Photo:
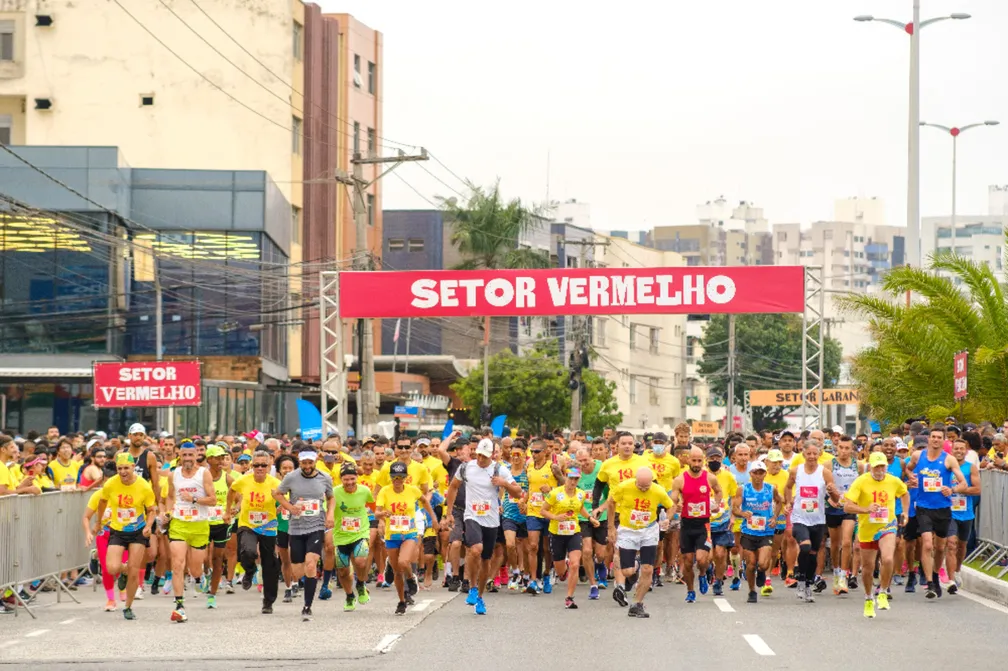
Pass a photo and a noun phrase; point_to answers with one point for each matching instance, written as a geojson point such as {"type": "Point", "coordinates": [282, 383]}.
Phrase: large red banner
{"type": "Point", "coordinates": [148, 384]}
{"type": "Point", "coordinates": [567, 291]}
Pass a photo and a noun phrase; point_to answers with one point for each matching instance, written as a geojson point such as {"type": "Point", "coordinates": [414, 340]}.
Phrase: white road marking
{"type": "Point", "coordinates": [70, 621]}
{"type": "Point", "coordinates": [7, 644]}
{"type": "Point", "coordinates": [423, 605]}
{"type": "Point", "coordinates": [983, 601]}
{"type": "Point", "coordinates": [37, 632]}
{"type": "Point", "coordinates": [386, 643]}
{"type": "Point", "coordinates": [723, 605]}
{"type": "Point", "coordinates": [758, 644]}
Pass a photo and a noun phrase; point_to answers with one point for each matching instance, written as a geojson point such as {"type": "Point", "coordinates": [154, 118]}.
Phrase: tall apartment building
{"type": "Point", "coordinates": [978, 237]}
{"type": "Point", "coordinates": [726, 235]}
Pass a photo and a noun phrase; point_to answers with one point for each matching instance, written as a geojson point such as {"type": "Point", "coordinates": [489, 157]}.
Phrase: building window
{"type": "Point", "coordinates": [356, 71]}
{"type": "Point", "coordinates": [356, 137]}
{"type": "Point", "coordinates": [653, 392]}
{"type": "Point", "coordinates": [633, 337]}
{"type": "Point", "coordinates": [633, 389]}
{"type": "Point", "coordinates": [654, 340]}
{"type": "Point", "coordinates": [296, 135]}
{"type": "Point", "coordinates": [147, 100]}
{"type": "Point", "coordinates": [6, 128]}
{"type": "Point", "coordinates": [600, 332]}
{"type": "Point", "coordinates": [6, 40]}
{"type": "Point", "coordinates": [296, 224]}
{"type": "Point", "coordinates": [396, 244]}
{"type": "Point", "coordinates": [372, 141]}
{"type": "Point", "coordinates": [298, 44]}
{"type": "Point", "coordinates": [372, 78]}
{"type": "Point", "coordinates": [370, 210]}
{"type": "Point", "coordinates": [415, 245]}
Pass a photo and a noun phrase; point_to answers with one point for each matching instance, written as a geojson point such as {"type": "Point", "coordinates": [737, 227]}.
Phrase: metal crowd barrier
{"type": "Point", "coordinates": [992, 520]}
{"type": "Point", "coordinates": [41, 537]}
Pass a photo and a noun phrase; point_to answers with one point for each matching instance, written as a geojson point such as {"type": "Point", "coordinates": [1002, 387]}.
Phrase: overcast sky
{"type": "Point", "coordinates": [647, 109]}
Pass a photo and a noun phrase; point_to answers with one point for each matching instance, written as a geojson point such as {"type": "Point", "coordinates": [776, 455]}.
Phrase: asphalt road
{"type": "Point", "coordinates": [442, 632]}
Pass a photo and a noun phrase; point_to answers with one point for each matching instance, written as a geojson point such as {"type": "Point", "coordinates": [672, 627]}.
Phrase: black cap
{"type": "Point", "coordinates": [785, 432]}
{"type": "Point", "coordinates": [398, 470]}
{"type": "Point", "coordinates": [348, 469]}
{"type": "Point", "coordinates": [648, 437]}
{"type": "Point", "coordinates": [659, 437]}
{"type": "Point", "coordinates": [714, 453]}
{"type": "Point", "coordinates": [920, 441]}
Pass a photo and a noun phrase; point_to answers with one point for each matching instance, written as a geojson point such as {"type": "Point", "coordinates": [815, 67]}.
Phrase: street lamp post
{"type": "Point", "coordinates": [955, 132]}
{"type": "Point", "coordinates": [913, 144]}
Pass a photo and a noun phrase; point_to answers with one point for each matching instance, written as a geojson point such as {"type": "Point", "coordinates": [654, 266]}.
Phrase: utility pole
{"type": "Point", "coordinates": [367, 401]}
{"type": "Point", "coordinates": [577, 361]}
{"type": "Point", "coordinates": [730, 422]}
{"type": "Point", "coordinates": [159, 336]}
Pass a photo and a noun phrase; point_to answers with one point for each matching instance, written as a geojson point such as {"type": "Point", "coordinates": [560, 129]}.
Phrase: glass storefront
{"type": "Point", "coordinates": [226, 409]}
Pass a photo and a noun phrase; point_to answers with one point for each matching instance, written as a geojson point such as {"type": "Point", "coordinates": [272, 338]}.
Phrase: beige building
{"type": "Point", "coordinates": [726, 235]}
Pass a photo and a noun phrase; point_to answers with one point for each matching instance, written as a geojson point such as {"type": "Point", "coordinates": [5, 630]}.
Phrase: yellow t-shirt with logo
{"type": "Point", "coordinates": [128, 503]}
{"type": "Point", "coordinates": [666, 468]}
{"type": "Point", "coordinates": [637, 509]}
{"type": "Point", "coordinates": [729, 487]}
{"type": "Point", "coordinates": [866, 490]}
{"type": "Point", "coordinates": [64, 477]}
{"type": "Point", "coordinates": [417, 475]}
{"type": "Point", "coordinates": [779, 482]}
{"type": "Point", "coordinates": [439, 474]}
{"type": "Point", "coordinates": [561, 502]}
{"type": "Point", "coordinates": [402, 507]}
{"type": "Point", "coordinates": [615, 470]}
{"type": "Point", "coordinates": [258, 508]}
{"type": "Point", "coordinates": [537, 477]}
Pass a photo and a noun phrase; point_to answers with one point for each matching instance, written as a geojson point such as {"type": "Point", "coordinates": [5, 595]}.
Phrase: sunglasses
{"type": "Point", "coordinates": [536, 451]}
{"type": "Point", "coordinates": [260, 465]}
{"type": "Point", "coordinates": [334, 453]}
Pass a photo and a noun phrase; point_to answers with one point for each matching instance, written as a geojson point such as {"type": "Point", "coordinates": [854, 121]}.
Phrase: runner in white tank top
{"type": "Point", "coordinates": [807, 490]}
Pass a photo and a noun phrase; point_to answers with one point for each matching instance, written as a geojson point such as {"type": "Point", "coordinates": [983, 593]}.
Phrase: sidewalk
{"type": "Point", "coordinates": [984, 585]}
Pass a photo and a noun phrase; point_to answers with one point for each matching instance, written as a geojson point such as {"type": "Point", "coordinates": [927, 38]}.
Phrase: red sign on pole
{"type": "Point", "coordinates": [148, 384]}
{"type": "Point", "coordinates": [737, 423]}
{"type": "Point", "coordinates": [959, 374]}
{"type": "Point", "coordinates": [570, 291]}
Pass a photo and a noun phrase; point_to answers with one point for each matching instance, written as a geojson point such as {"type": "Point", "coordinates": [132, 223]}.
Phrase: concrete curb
{"type": "Point", "coordinates": [984, 585]}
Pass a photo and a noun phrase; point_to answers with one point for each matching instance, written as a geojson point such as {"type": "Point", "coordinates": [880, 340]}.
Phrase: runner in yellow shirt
{"type": "Point", "coordinates": [666, 469]}
{"type": "Point", "coordinates": [257, 526]}
{"type": "Point", "coordinates": [562, 507]}
{"type": "Point", "coordinates": [543, 476]}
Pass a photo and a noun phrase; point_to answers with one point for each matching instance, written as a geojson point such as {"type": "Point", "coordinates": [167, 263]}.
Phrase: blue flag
{"type": "Point", "coordinates": [449, 427]}
{"type": "Point", "coordinates": [310, 420]}
{"type": "Point", "coordinates": [497, 425]}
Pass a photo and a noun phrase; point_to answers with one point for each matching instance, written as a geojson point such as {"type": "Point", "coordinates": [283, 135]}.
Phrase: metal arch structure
{"type": "Point", "coordinates": [332, 370]}
{"type": "Point", "coordinates": [813, 347]}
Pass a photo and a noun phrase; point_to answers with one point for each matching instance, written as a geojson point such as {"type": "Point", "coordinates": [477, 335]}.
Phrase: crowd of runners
{"type": "Point", "coordinates": [529, 514]}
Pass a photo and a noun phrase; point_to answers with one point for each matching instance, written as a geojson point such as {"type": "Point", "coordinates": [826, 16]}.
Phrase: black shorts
{"type": "Point", "coordinates": [124, 539]}
{"type": "Point", "coordinates": [648, 556]}
{"type": "Point", "coordinates": [283, 540]}
{"type": "Point", "coordinates": [754, 543]}
{"type": "Point", "coordinates": [477, 534]}
{"type": "Point", "coordinates": [961, 529]}
{"type": "Point", "coordinates": [220, 534]}
{"type": "Point", "coordinates": [911, 531]}
{"type": "Point", "coordinates": [812, 533]}
{"type": "Point", "coordinates": [430, 545]}
{"type": "Point", "coordinates": [934, 520]}
{"type": "Point", "coordinates": [693, 536]}
{"type": "Point", "coordinates": [521, 531]}
{"type": "Point", "coordinates": [833, 521]}
{"type": "Point", "coordinates": [599, 535]}
{"type": "Point", "coordinates": [234, 527]}
{"type": "Point", "coordinates": [302, 545]}
{"type": "Point", "coordinates": [564, 545]}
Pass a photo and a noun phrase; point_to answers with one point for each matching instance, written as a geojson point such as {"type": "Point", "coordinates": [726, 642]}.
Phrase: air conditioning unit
{"type": "Point", "coordinates": [44, 104]}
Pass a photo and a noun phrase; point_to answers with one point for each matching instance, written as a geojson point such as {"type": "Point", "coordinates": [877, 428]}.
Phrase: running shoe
{"type": "Point", "coordinates": [472, 597]}
{"type": "Point", "coordinates": [767, 589]}
{"type": "Point", "coordinates": [247, 580]}
{"type": "Point", "coordinates": [267, 609]}
{"type": "Point", "coordinates": [637, 610]}
{"type": "Point", "coordinates": [869, 608]}
{"type": "Point", "coordinates": [128, 614]}
{"type": "Point", "coordinates": [306, 614]}
{"type": "Point", "coordinates": [110, 606]}
{"type": "Point", "coordinates": [480, 606]}
{"type": "Point", "coordinates": [952, 588]}
{"type": "Point", "coordinates": [411, 586]}
{"type": "Point", "coordinates": [808, 594]}
{"type": "Point", "coordinates": [752, 597]}
{"type": "Point", "coordinates": [730, 571]}
{"type": "Point", "coordinates": [800, 592]}
{"type": "Point", "coordinates": [325, 594]}
{"type": "Point", "coordinates": [911, 583]}
{"type": "Point", "coordinates": [775, 571]}
{"type": "Point", "coordinates": [228, 587]}
{"type": "Point", "coordinates": [819, 585]}
{"type": "Point", "coordinates": [703, 583]}
{"type": "Point", "coordinates": [943, 575]}
{"type": "Point", "coordinates": [363, 596]}
{"type": "Point", "coordinates": [401, 608]}
{"type": "Point", "coordinates": [533, 588]}
{"type": "Point", "coordinates": [937, 586]}
{"type": "Point", "coordinates": [691, 597]}
{"type": "Point", "coordinates": [178, 615]}
{"type": "Point", "coordinates": [121, 582]}
{"type": "Point", "coordinates": [619, 596]}
{"type": "Point", "coordinates": [211, 601]}
{"type": "Point", "coordinates": [288, 597]}
{"type": "Point", "coordinates": [790, 581]}
{"type": "Point", "coordinates": [409, 600]}
{"type": "Point", "coordinates": [736, 583]}
{"type": "Point", "coordinates": [897, 579]}
{"type": "Point", "coordinates": [718, 588]}
{"type": "Point", "coordinates": [836, 583]}
{"type": "Point", "coordinates": [883, 601]}
{"type": "Point", "coordinates": [569, 603]}
{"type": "Point", "coordinates": [512, 584]}
{"type": "Point", "coordinates": [351, 603]}
{"type": "Point", "coordinates": [547, 585]}
{"type": "Point", "coordinates": [842, 587]}
{"type": "Point", "coordinates": [593, 593]}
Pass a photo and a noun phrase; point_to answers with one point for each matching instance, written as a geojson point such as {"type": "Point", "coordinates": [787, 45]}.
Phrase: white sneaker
{"type": "Point", "coordinates": [808, 594]}
{"type": "Point", "coordinates": [139, 594]}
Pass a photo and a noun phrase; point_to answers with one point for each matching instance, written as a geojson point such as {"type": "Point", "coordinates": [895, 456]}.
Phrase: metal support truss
{"type": "Point", "coordinates": [332, 368]}
{"type": "Point", "coordinates": [813, 347]}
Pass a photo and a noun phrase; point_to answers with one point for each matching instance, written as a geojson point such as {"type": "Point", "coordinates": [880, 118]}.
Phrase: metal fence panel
{"type": "Point", "coordinates": [992, 516]}
{"type": "Point", "coordinates": [42, 536]}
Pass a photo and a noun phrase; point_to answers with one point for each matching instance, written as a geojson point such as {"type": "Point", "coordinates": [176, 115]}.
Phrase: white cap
{"type": "Point", "coordinates": [307, 454]}
{"type": "Point", "coordinates": [757, 465]}
{"type": "Point", "coordinates": [101, 434]}
{"type": "Point", "coordinates": [137, 428]}
{"type": "Point", "coordinates": [164, 434]}
{"type": "Point", "coordinates": [91, 443]}
{"type": "Point", "coordinates": [837, 429]}
{"type": "Point", "coordinates": [423, 441]}
{"type": "Point", "coordinates": [485, 448]}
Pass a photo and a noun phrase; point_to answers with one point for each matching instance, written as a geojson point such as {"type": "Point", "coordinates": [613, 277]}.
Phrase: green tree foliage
{"type": "Point", "coordinates": [532, 391]}
{"type": "Point", "coordinates": [958, 305]}
{"type": "Point", "coordinates": [768, 355]}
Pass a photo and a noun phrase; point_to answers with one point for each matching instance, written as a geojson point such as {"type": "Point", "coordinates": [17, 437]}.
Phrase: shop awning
{"type": "Point", "coordinates": [49, 366]}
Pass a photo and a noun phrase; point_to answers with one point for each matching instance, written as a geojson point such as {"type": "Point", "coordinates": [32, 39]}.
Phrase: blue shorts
{"type": "Point", "coordinates": [397, 540]}
{"type": "Point", "coordinates": [536, 523]}
{"type": "Point", "coordinates": [724, 538]}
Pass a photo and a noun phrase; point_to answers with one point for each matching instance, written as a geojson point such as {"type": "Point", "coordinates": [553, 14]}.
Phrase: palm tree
{"type": "Point", "coordinates": [908, 369]}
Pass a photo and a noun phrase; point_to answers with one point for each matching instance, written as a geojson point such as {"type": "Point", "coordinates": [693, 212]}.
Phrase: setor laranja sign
{"type": "Point", "coordinates": [148, 384]}
{"type": "Point", "coordinates": [568, 291]}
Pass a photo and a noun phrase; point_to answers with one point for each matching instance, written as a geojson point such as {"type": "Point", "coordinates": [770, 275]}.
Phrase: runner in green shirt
{"type": "Point", "coordinates": [350, 535]}
{"type": "Point", "coordinates": [593, 539]}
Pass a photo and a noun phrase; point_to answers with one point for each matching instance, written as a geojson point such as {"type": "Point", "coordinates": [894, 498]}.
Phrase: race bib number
{"type": "Point", "coordinates": [958, 503]}
{"type": "Point", "coordinates": [757, 523]}
{"type": "Point", "coordinates": [215, 513]}
{"type": "Point", "coordinates": [106, 517]}
{"type": "Point", "coordinates": [68, 488]}
{"type": "Point", "coordinates": [350, 525]}
{"type": "Point", "coordinates": [399, 524]}
{"type": "Point", "coordinates": [932, 484]}
{"type": "Point", "coordinates": [126, 515]}
{"type": "Point", "coordinates": [535, 498]}
{"type": "Point", "coordinates": [257, 518]}
{"type": "Point", "coordinates": [640, 518]}
{"type": "Point", "coordinates": [284, 515]}
{"type": "Point", "coordinates": [880, 516]}
{"type": "Point", "coordinates": [567, 527]}
{"type": "Point", "coordinates": [480, 508]}
{"type": "Point", "coordinates": [310, 507]}
{"type": "Point", "coordinates": [185, 513]}
{"type": "Point", "coordinates": [809, 499]}
{"type": "Point", "coordinates": [697, 509]}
